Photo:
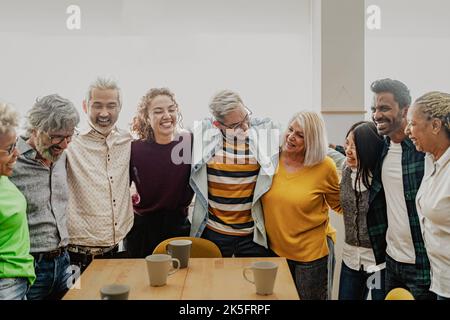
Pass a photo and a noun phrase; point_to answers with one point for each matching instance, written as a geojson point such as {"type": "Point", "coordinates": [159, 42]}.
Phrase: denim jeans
{"type": "Point", "coordinates": [53, 278]}
{"type": "Point", "coordinates": [403, 275]}
{"type": "Point", "coordinates": [239, 246]}
{"type": "Point", "coordinates": [443, 298]}
{"type": "Point", "coordinates": [311, 278]}
{"type": "Point", "coordinates": [331, 266]}
{"type": "Point", "coordinates": [13, 288]}
{"type": "Point", "coordinates": [353, 284]}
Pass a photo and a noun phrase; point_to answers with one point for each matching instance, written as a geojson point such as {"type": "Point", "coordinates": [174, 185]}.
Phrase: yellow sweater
{"type": "Point", "coordinates": [296, 210]}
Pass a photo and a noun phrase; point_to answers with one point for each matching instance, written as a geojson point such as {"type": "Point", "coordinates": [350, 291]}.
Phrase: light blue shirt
{"type": "Point", "coordinates": [264, 144]}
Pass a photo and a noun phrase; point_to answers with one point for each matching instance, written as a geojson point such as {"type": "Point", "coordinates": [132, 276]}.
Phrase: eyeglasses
{"type": "Point", "coordinates": [11, 148]}
{"type": "Point", "coordinates": [239, 124]}
{"type": "Point", "coordinates": [57, 139]}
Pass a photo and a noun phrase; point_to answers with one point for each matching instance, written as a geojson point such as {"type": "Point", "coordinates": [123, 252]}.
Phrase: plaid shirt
{"type": "Point", "coordinates": [413, 170]}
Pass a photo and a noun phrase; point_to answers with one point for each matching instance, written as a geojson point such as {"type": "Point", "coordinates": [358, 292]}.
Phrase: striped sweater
{"type": "Point", "coordinates": [232, 174]}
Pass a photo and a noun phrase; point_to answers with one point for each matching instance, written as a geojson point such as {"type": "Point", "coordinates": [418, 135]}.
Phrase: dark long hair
{"type": "Point", "coordinates": [369, 145]}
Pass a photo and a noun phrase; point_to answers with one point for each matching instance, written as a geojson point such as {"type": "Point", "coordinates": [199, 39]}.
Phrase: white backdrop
{"type": "Point", "coordinates": [412, 46]}
{"type": "Point", "coordinates": [260, 48]}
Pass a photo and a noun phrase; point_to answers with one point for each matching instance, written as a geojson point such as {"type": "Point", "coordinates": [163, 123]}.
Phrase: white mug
{"type": "Point", "coordinates": [159, 266]}
{"type": "Point", "coordinates": [264, 274]}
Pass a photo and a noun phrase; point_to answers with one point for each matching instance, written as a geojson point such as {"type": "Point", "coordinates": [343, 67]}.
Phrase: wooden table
{"type": "Point", "coordinates": [204, 279]}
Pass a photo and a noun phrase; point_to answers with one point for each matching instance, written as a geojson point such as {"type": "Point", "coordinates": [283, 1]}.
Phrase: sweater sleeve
{"type": "Point", "coordinates": [332, 187]}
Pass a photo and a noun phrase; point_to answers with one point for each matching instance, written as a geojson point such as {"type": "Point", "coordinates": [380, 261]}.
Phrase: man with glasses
{"type": "Point", "coordinates": [40, 174]}
{"type": "Point", "coordinates": [100, 211]}
{"type": "Point", "coordinates": [235, 157]}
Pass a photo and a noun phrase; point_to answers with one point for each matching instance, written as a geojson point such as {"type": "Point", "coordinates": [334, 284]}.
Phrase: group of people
{"type": "Point", "coordinates": [70, 194]}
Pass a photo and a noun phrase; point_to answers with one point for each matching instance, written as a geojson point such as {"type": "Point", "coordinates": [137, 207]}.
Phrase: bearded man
{"type": "Point", "coordinates": [40, 174]}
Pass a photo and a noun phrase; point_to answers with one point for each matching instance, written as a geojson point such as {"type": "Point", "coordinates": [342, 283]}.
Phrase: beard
{"type": "Point", "coordinates": [46, 151]}
{"type": "Point", "coordinates": [239, 136]}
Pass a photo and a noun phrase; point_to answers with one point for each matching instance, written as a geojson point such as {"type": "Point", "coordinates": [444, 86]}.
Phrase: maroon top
{"type": "Point", "coordinates": [163, 185]}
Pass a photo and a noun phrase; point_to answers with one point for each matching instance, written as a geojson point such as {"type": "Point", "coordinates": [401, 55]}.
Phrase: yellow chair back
{"type": "Point", "coordinates": [201, 248]}
{"type": "Point", "coordinates": [399, 294]}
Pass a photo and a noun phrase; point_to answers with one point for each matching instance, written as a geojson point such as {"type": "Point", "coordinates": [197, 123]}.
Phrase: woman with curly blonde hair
{"type": "Point", "coordinates": [159, 172]}
{"type": "Point", "coordinates": [429, 129]}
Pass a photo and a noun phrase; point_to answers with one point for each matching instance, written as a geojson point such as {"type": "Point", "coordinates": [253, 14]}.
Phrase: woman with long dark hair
{"type": "Point", "coordinates": [359, 272]}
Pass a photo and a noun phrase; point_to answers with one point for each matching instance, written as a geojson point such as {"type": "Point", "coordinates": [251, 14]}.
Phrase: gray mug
{"type": "Point", "coordinates": [181, 250]}
{"type": "Point", "coordinates": [115, 292]}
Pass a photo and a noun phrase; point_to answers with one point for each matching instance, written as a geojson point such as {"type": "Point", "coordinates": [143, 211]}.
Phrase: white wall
{"type": "Point", "coordinates": [412, 46]}
{"type": "Point", "coordinates": [260, 48]}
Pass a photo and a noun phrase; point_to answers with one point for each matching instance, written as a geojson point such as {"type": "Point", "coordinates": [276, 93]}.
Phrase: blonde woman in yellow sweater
{"type": "Point", "coordinates": [296, 207]}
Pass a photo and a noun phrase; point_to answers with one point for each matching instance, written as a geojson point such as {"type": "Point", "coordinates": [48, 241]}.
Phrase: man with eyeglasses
{"type": "Point", "coordinates": [235, 157]}
{"type": "Point", "coordinates": [40, 174]}
{"type": "Point", "coordinates": [100, 211]}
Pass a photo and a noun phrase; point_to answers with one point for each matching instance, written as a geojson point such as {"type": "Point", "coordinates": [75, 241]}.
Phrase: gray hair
{"type": "Point", "coordinates": [104, 84]}
{"type": "Point", "coordinates": [315, 136]}
{"type": "Point", "coordinates": [52, 112]}
{"type": "Point", "coordinates": [224, 102]}
{"type": "Point", "coordinates": [9, 118]}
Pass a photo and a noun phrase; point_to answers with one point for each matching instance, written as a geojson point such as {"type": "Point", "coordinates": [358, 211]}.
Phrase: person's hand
{"type": "Point", "coordinates": [135, 198]}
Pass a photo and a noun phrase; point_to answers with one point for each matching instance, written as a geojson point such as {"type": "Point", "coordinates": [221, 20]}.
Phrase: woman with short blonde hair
{"type": "Point", "coordinates": [315, 137]}
{"type": "Point", "coordinates": [296, 207]}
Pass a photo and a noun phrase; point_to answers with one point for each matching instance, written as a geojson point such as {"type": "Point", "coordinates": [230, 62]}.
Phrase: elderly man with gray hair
{"type": "Point", "coordinates": [235, 157]}
{"type": "Point", "coordinates": [40, 174]}
{"type": "Point", "coordinates": [100, 208]}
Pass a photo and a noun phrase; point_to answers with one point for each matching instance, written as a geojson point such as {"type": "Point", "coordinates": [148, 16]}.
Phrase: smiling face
{"type": "Point", "coordinates": [103, 109]}
{"type": "Point", "coordinates": [163, 116]}
{"type": "Point", "coordinates": [50, 145]}
{"type": "Point", "coordinates": [420, 129]}
{"type": "Point", "coordinates": [387, 115]}
{"type": "Point", "coordinates": [350, 151]}
{"type": "Point", "coordinates": [235, 123]}
{"type": "Point", "coordinates": [294, 142]}
{"type": "Point", "coordinates": [7, 161]}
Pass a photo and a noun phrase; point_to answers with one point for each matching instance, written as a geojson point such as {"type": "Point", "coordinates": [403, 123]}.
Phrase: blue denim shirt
{"type": "Point", "coordinates": [264, 144]}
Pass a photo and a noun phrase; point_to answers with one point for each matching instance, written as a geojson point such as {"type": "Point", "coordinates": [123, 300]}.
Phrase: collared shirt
{"type": "Point", "coordinates": [100, 211]}
{"type": "Point", "coordinates": [433, 202]}
{"type": "Point", "coordinates": [45, 189]}
{"type": "Point", "coordinates": [412, 174]}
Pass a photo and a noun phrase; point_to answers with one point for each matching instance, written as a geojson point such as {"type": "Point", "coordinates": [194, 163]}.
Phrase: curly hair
{"type": "Point", "coordinates": [52, 112]}
{"type": "Point", "coordinates": [436, 104]}
{"type": "Point", "coordinates": [9, 118]}
{"type": "Point", "coordinates": [140, 124]}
